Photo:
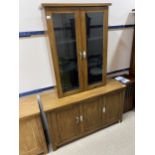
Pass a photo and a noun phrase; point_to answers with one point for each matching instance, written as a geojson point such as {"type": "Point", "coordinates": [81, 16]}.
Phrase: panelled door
{"type": "Point", "coordinates": [94, 45]}
{"type": "Point", "coordinates": [91, 114]}
{"type": "Point", "coordinates": [67, 122]}
{"type": "Point", "coordinates": [64, 30]}
{"type": "Point", "coordinates": [112, 107]}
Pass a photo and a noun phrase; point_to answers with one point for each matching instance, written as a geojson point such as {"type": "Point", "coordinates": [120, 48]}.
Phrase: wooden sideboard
{"type": "Point", "coordinates": [31, 135]}
{"type": "Point", "coordinates": [78, 115]}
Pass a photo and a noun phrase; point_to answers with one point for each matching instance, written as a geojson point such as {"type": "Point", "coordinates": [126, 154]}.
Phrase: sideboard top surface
{"type": "Point", "coordinates": [28, 106]}
{"type": "Point", "coordinates": [75, 4]}
{"type": "Point", "coordinates": [50, 100]}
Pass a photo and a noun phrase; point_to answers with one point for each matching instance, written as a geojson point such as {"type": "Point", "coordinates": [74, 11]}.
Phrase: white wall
{"type": "Point", "coordinates": [36, 70]}
{"type": "Point", "coordinates": [31, 14]}
{"type": "Point", "coordinates": [119, 49]}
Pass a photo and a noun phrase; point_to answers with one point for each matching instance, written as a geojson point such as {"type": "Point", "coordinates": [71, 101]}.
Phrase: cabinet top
{"type": "Point", "coordinates": [75, 4]}
{"type": "Point", "coordinates": [50, 100]}
{"type": "Point", "coordinates": [28, 106]}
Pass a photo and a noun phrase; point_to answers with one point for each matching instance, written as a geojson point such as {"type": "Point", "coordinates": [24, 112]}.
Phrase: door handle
{"type": "Point", "coordinates": [84, 54]}
{"type": "Point", "coordinates": [81, 55]}
{"type": "Point", "coordinates": [77, 120]}
{"type": "Point", "coordinates": [103, 109]}
{"type": "Point", "coordinates": [81, 118]}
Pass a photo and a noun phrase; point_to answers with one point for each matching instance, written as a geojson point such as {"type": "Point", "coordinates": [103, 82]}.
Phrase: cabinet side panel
{"type": "Point", "coordinates": [41, 139]}
{"type": "Point", "coordinates": [31, 137]}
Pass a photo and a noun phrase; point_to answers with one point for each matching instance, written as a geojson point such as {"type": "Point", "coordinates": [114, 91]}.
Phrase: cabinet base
{"type": "Point", "coordinates": [55, 147]}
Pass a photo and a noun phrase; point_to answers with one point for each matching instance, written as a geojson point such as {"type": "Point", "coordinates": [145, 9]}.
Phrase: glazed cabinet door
{"type": "Point", "coordinates": [64, 32]}
{"type": "Point", "coordinates": [94, 30]}
{"type": "Point", "coordinates": [64, 124]}
{"type": "Point", "coordinates": [91, 114]}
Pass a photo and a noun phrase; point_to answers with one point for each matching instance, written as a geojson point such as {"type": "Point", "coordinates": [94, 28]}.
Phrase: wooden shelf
{"type": "Point", "coordinates": [51, 101]}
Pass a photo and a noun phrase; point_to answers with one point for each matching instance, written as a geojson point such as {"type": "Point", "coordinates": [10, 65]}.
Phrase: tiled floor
{"type": "Point", "coordinates": [117, 139]}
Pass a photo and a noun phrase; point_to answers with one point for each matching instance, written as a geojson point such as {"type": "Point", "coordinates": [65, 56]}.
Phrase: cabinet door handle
{"type": "Point", "coordinates": [81, 55]}
{"type": "Point", "coordinates": [48, 17]}
{"type": "Point", "coordinates": [84, 54]}
{"type": "Point", "coordinates": [81, 118]}
{"type": "Point", "coordinates": [103, 109]}
{"type": "Point", "coordinates": [77, 120]}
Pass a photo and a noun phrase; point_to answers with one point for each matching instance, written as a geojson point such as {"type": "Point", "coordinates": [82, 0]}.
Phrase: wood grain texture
{"type": "Point", "coordinates": [105, 43]}
{"type": "Point", "coordinates": [31, 137]}
{"type": "Point", "coordinates": [112, 107]}
{"type": "Point", "coordinates": [54, 54]}
{"type": "Point", "coordinates": [91, 114]}
{"type": "Point", "coordinates": [50, 28]}
{"type": "Point", "coordinates": [67, 123]}
{"type": "Point", "coordinates": [64, 126]}
{"type": "Point", "coordinates": [28, 106]}
{"type": "Point", "coordinates": [51, 101]}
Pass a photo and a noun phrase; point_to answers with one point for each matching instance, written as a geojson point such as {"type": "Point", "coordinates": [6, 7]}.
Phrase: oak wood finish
{"type": "Point", "coordinates": [78, 115]}
{"type": "Point", "coordinates": [51, 101]}
{"type": "Point", "coordinates": [79, 11]}
{"type": "Point", "coordinates": [112, 103]}
{"type": "Point", "coordinates": [91, 110]}
{"type": "Point", "coordinates": [27, 103]}
{"type": "Point", "coordinates": [54, 50]}
{"type": "Point", "coordinates": [31, 136]}
{"type": "Point", "coordinates": [84, 45]}
{"type": "Point", "coordinates": [67, 122]}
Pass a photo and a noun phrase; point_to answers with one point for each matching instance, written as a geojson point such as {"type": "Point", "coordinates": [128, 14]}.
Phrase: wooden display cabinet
{"type": "Point", "coordinates": [78, 115]}
{"type": "Point", "coordinates": [78, 38]}
{"type": "Point", "coordinates": [31, 135]}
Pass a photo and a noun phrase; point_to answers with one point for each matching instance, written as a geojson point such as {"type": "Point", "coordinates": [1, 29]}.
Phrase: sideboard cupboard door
{"type": "Point", "coordinates": [67, 122]}
{"type": "Point", "coordinates": [112, 107]}
{"type": "Point", "coordinates": [94, 27]}
{"type": "Point", "coordinates": [91, 114]}
{"type": "Point", "coordinates": [64, 30]}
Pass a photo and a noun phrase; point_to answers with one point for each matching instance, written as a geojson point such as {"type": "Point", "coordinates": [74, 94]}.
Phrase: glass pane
{"type": "Point", "coordinates": [64, 28]}
{"type": "Point", "coordinates": [94, 27]}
